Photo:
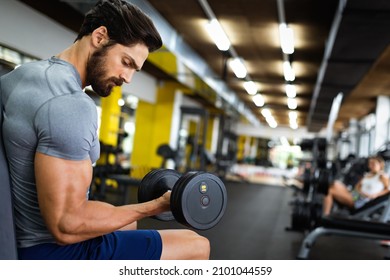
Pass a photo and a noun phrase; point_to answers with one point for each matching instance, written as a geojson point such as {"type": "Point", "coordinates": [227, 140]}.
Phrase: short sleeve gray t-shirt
{"type": "Point", "coordinates": [45, 110]}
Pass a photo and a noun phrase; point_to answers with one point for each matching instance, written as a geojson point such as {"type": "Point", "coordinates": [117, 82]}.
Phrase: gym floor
{"type": "Point", "coordinates": [254, 228]}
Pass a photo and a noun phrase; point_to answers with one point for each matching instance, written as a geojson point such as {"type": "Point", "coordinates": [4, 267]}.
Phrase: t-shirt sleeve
{"type": "Point", "coordinates": [67, 128]}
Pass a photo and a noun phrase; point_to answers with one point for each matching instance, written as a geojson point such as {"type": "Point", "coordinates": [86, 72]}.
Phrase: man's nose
{"type": "Point", "coordinates": [126, 76]}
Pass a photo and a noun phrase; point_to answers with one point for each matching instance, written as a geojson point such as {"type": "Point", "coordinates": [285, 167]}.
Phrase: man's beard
{"type": "Point", "coordinates": [96, 73]}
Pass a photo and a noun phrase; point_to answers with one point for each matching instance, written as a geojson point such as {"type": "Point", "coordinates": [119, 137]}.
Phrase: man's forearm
{"type": "Point", "coordinates": [96, 218]}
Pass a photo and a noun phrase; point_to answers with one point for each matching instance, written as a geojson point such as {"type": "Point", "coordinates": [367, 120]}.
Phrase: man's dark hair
{"type": "Point", "coordinates": [126, 24]}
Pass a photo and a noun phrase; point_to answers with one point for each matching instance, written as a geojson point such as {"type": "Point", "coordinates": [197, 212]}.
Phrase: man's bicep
{"type": "Point", "coordinates": [61, 186]}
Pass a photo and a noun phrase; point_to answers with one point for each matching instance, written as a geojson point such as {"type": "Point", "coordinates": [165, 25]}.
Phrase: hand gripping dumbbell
{"type": "Point", "coordinates": [198, 199]}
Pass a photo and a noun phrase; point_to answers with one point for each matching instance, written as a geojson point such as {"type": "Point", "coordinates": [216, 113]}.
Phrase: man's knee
{"type": "Point", "coordinates": [184, 244]}
{"type": "Point", "coordinates": [200, 245]}
{"type": "Point", "coordinates": [204, 247]}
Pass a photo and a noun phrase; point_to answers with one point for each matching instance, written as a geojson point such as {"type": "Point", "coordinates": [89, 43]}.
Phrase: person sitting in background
{"type": "Point", "coordinates": [372, 185]}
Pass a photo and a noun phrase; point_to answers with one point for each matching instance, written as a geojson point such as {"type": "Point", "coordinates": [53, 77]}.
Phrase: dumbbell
{"type": "Point", "coordinates": [198, 199]}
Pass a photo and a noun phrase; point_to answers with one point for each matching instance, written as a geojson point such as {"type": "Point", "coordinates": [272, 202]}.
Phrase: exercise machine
{"type": "Point", "coordinates": [356, 225]}
{"type": "Point", "coordinates": [317, 176]}
{"type": "Point", "coordinates": [369, 222]}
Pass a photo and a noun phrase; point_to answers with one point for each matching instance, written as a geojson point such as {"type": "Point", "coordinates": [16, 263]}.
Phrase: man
{"type": "Point", "coordinates": [51, 141]}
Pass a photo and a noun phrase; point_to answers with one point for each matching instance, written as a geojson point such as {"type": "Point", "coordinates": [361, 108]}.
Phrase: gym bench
{"type": "Point", "coordinates": [344, 227]}
{"type": "Point", "coordinates": [370, 221]}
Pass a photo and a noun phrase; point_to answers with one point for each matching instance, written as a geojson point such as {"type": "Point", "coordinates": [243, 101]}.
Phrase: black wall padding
{"type": "Point", "coordinates": [7, 230]}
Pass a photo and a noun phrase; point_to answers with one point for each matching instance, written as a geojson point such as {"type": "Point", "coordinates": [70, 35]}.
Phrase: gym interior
{"type": "Point", "coordinates": [271, 141]}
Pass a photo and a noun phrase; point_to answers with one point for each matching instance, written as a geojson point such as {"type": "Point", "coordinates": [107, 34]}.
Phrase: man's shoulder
{"type": "Point", "coordinates": [28, 70]}
{"type": "Point", "coordinates": [62, 77]}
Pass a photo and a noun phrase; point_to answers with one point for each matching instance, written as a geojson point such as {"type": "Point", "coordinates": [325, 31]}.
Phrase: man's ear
{"type": "Point", "coordinates": [100, 36]}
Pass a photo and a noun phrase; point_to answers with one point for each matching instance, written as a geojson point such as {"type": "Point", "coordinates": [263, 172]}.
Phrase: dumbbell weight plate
{"type": "Point", "coordinates": [154, 185]}
{"type": "Point", "coordinates": [199, 200]}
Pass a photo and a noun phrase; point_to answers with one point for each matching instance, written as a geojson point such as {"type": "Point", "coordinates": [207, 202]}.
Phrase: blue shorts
{"type": "Point", "coordinates": [119, 245]}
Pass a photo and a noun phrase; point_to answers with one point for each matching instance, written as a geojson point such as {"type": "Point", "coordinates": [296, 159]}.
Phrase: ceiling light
{"type": "Point", "coordinates": [269, 118]}
{"type": "Point", "coordinates": [218, 35]}
{"type": "Point", "coordinates": [121, 102]}
{"type": "Point", "coordinates": [293, 125]}
{"type": "Point", "coordinates": [266, 113]}
{"type": "Point", "coordinates": [293, 119]}
{"type": "Point", "coordinates": [250, 87]}
{"type": "Point", "coordinates": [258, 100]}
{"type": "Point", "coordinates": [291, 91]}
{"type": "Point", "coordinates": [288, 71]}
{"type": "Point", "coordinates": [292, 115]}
{"type": "Point", "coordinates": [272, 123]}
{"type": "Point", "coordinates": [238, 67]}
{"type": "Point", "coordinates": [292, 103]}
{"type": "Point", "coordinates": [286, 38]}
